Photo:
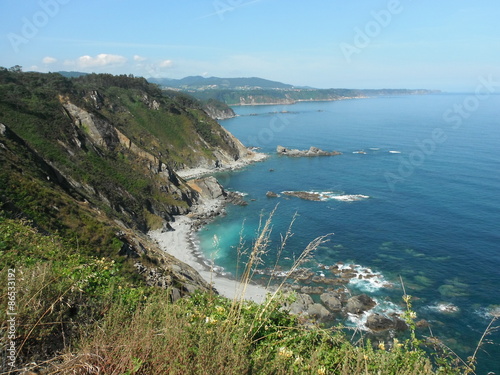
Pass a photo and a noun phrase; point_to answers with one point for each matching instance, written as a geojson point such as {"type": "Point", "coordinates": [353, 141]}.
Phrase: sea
{"type": "Point", "coordinates": [413, 201]}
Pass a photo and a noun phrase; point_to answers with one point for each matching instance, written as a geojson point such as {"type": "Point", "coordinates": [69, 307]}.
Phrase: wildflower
{"type": "Point", "coordinates": [381, 345]}
{"type": "Point", "coordinates": [322, 370]}
{"type": "Point", "coordinates": [298, 360]}
{"type": "Point", "coordinates": [220, 309]}
{"type": "Point", "coordinates": [413, 314]}
{"type": "Point", "coordinates": [396, 344]}
{"type": "Point", "coordinates": [284, 352]}
{"type": "Point", "coordinates": [210, 320]}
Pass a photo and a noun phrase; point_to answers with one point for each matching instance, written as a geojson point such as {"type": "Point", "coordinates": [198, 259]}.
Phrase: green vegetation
{"type": "Point", "coordinates": [87, 158]}
{"type": "Point", "coordinates": [72, 308]}
{"type": "Point", "coordinates": [79, 184]}
{"type": "Point", "coordinates": [290, 95]}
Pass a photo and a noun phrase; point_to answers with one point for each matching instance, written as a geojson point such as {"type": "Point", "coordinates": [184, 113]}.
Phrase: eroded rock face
{"type": "Point", "coordinates": [208, 187]}
{"type": "Point", "coordinates": [359, 304]}
{"type": "Point", "coordinates": [331, 301]}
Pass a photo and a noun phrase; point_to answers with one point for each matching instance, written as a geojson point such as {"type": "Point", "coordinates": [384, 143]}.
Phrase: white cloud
{"type": "Point", "coordinates": [49, 60]}
{"type": "Point", "coordinates": [100, 60]}
{"type": "Point", "coordinates": [166, 64]}
{"type": "Point", "coordinates": [139, 58]}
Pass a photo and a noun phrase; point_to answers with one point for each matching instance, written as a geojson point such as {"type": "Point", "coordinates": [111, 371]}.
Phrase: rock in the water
{"type": "Point", "coordinates": [377, 323]}
{"type": "Point", "coordinates": [271, 194]}
{"type": "Point", "coordinates": [331, 301]}
{"type": "Point", "coordinates": [359, 304]}
{"type": "Point", "coordinates": [310, 196]}
{"type": "Point", "coordinates": [313, 151]}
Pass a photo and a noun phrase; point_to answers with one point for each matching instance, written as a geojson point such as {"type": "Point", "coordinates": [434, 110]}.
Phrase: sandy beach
{"type": "Point", "coordinates": [179, 243]}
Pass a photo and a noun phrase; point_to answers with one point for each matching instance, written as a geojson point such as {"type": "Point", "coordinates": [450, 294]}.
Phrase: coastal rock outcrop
{"type": "Point", "coordinates": [307, 195]}
{"type": "Point", "coordinates": [271, 194]}
{"type": "Point", "coordinates": [359, 304]}
{"type": "Point", "coordinates": [313, 151]}
{"type": "Point", "coordinates": [377, 323]}
{"type": "Point", "coordinates": [331, 301]}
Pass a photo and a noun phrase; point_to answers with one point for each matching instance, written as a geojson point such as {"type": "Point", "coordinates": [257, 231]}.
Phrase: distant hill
{"type": "Point", "coordinates": [256, 91]}
{"type": "Point", "coordinates": [202, 83]}
{"type": "Point", "coordinates": [72, 74]}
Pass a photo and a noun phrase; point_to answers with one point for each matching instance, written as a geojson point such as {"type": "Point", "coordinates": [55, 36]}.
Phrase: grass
{"type": "Point", "coordinates": [78, 315]}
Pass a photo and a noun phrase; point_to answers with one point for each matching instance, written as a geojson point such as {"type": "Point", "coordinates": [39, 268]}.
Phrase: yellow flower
{"type": "Point", "coordinates": [396, 344]}
{"type": "Point", "coordinates": [284, 352]}
{"type": "Point", "coordinates": [322, 370]}
{"type": "Point", "coordinates": [381, 345]}
{"type": "Point", "coordinates": [210, 320]}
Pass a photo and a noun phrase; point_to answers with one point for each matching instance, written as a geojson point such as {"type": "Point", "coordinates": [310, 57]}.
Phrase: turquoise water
{"type": "Point", "coordinates": [430, 210]}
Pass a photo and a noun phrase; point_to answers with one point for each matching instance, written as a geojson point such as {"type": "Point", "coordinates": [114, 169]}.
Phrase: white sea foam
{"type": "Point", "coordinates": [383, 307]}
{"type": "Point", "coordinates": [488, 312]}
{"type": "Point", "coordinates": [349, 197]}
{"type": "Point", "coordinates": [444, 307]}
{"type": "Point", "coordinates": [395, 152]}
{"type": "Point", "coordinates": [329, 195]}
{"type": "Point", "coordinates": [366, 280]}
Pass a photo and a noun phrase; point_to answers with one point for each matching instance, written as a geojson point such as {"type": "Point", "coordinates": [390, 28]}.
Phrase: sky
{"type": "Point", "coordinates": [445, 44]}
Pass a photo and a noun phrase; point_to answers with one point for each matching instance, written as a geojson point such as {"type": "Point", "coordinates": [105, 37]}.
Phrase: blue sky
{"type": "Point", "coordinates": [445, 44]}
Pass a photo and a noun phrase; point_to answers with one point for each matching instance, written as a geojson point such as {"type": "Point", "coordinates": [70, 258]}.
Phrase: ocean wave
{"type": "Point", "coordinates": [349, 197]}
{"type": "Point", "coordinates": [366, 280]}
{"type": "Point", "coordinates": [338, 196]}
{"type": "Point", "coordinates": [488, 312]}
{"type": "Point", "coordinates": [444, 307]}
{"type": "Point", "coordinates": [394, 152]}
{"type": "Point", "coordinates": [385, 308]}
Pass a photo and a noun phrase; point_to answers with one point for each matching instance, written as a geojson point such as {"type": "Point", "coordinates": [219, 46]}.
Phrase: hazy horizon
{"type": "Point", "coordinates": [444, 46]}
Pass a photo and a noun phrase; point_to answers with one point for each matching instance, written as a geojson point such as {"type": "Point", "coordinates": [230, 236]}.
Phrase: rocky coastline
{"type": "Point", "coordinates": [331, 285]}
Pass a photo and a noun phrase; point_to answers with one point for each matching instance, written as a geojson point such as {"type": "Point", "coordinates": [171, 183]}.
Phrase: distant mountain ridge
{"type": "Point", "coordinates": [205, 83]}
{"type": "Point", "coordinates": [258, 91]}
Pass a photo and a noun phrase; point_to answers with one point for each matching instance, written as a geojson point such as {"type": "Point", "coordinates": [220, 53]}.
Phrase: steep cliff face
{"type": "Point", "coordinates": [117, 140]}
{"type": "Point", "coordinates": [95, 159]}
{"type": "Point", "coordinates": [218, 110]}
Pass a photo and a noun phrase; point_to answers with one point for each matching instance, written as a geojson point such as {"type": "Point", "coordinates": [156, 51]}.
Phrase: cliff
{"type": "Point", "coordinates": [95, 159]}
